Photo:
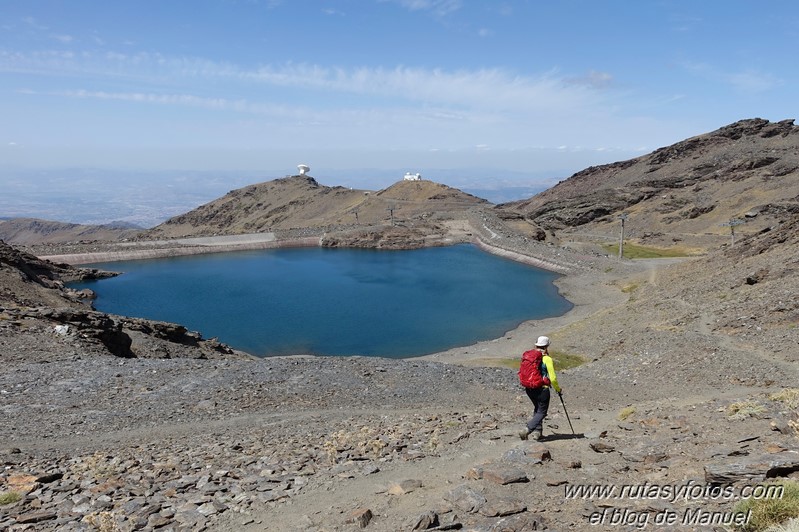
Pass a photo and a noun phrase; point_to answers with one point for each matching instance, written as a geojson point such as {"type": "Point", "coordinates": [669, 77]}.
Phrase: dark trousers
{"type": "Point", "coordinates": [540, 399]}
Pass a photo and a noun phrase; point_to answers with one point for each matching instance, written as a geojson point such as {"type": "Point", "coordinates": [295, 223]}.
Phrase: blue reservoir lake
{"type": "Point", "coordinates": [335, 301]}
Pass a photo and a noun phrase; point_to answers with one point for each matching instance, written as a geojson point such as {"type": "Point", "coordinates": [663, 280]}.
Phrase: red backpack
{"type": "Point", "coordinates": [532, 371]}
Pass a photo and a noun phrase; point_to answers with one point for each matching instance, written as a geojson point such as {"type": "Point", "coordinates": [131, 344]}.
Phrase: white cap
{"type": "Point", "coordinates": [543, 341]}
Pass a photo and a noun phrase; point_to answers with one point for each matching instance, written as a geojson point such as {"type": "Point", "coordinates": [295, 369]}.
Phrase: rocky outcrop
{"type": "Point", "coordinates": [153, 339]}
{"type": "Point", "coordinates": [34, 297]}
{"type": "Point", "coordinates": [385, 237]}
{"type": "Point", "coordinates": [46, 273]}
{"type": "Point", "coordinates": [89, 325]}
{"type": "Point", "coordinates": [580, 211]}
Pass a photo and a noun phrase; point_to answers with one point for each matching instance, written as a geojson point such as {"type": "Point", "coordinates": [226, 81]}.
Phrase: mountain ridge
{"type": "Point", "coordinates": [748, 170]}
{"type": "Point", "coordinates": [300, 202]}
{"type": "Point", "coordinates": [681, 195]}
{"type": "Point", "coordinates": [24, 231]}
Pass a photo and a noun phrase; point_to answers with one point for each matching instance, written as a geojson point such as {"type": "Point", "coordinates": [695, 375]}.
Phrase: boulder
{"type": "Point", "coordinates": [753, 468]}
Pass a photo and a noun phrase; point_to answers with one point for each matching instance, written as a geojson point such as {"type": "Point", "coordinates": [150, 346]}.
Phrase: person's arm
{"type": "Point", "coordinates": [553, 379]}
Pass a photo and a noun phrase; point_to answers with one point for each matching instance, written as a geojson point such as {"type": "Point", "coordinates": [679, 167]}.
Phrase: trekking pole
{"type": "Point", "coordinates": [566, 411]}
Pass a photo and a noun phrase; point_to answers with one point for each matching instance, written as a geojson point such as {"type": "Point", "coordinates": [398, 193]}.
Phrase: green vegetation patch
{"type": "Point", "coordinates": [773, 510]}
{"type": "Point", "coordinates": [566, 360]}
{"type": "Point", "coordinates": [789, 396]}
{"type": "Point", "coordinates": [788, 526]}
{"type": "Point", "coordinates": [10, 497]}
{"type": "Point", "coordinates": [636, 251]}
{"type": "Point", "coordinates": [626, 412]}
{"type": "Point", "coordinates": [630, 287]}
{"type": "Point", "coordinates": [745, 409]}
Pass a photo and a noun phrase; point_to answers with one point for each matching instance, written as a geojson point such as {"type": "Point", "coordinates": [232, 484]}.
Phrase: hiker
{"type": "Point", "coordinates": [537, 374]}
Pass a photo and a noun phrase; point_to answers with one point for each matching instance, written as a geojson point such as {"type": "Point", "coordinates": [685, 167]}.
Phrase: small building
{"type": "Point", "coordinates": [412, 177]}
{"type": "Point", "coordinates": [303, 168]}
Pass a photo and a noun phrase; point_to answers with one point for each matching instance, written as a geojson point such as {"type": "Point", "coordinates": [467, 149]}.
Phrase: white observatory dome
{"type": "Point", "coordinates": [303, 168]}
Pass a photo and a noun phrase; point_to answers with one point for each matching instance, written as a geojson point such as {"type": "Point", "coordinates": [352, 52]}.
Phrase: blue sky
{"type": "Point", "coordinates": [539, 89]}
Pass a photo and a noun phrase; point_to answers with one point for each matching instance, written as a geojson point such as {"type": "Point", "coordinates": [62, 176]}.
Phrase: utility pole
{"type": "Point", "coordinates": [622, 217]}
{"type": "Point", "coordinates": [731, 224]}
{"type": "Point", "coordinates": [391, 210]}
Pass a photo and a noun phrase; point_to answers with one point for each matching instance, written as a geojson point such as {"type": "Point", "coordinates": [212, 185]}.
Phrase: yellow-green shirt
{"type": "Point", "coordinates": [553, 379]}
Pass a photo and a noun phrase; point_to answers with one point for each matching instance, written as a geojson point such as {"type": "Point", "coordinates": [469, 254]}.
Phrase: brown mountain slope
{"type": "Point", "coordinates": [299, 202]}
{"type": "Point", "coordinates": [749, 287]}
{"type": "Point", "coordinates": [684, 192]}
{"type": "Point", "coordinates": [726, 319]}
{"type": "Point", "coordinates": [23, 231]}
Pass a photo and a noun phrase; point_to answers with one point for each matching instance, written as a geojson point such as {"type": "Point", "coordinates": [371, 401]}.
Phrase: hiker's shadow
{"type": "Point", "coordinates": [554, 437]}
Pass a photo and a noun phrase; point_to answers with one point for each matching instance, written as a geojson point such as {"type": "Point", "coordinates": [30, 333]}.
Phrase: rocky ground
{"type": "Point", "coordinates": [678, 395]}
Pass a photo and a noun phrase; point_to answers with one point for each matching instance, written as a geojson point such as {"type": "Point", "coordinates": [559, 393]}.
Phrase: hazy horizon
{"type": "Point", "coordinates": [480, 95]}
{"type": "Point", "coordinates": [147, 198]}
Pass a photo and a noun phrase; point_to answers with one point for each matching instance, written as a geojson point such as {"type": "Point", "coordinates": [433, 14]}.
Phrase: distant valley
{"type": "Point", "coordinates": [146, 199]}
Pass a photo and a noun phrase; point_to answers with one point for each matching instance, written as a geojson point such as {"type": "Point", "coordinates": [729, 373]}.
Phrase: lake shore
{"type": "Point", "coordinates": [581, 281]}
{"type": "Point", "coordinates": [588, 292]}
{"type": "Point", "coordinates": [588, 282]}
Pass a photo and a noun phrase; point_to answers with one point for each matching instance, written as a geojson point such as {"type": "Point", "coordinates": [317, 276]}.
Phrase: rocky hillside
{"type": "Point", "coordinates": [299, 202]}
{"type": "Point", "coordinates": [730, 316]}
{"type": "Point", "coordinates": [27, 281]}
{"type": "Point", "coordinates": [24, 231]}
{"type": "Point", "coordinates": [682, 193]}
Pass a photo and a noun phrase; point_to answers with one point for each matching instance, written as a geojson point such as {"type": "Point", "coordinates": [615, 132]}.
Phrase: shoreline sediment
{"type": "Point", "coordinates": [177, 251]}
{"type": "Point", "coordinates": [520, 257]}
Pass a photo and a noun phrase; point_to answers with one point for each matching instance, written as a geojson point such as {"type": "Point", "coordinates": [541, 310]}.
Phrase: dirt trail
{"type": "Point", "coordinates": [326, 505]}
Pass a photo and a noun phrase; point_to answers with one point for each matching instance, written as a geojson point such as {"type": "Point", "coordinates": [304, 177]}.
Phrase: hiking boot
{"type": "Point", "coordinates": [524, 434]}
{"type": "Point", "coordinates": [537, 435]}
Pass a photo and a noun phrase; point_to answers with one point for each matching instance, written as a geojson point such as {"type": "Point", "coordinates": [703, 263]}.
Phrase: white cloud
{"type": "Point", "coordinates": [752, 81]}
{"type": "Point", "coordinates": [437, 7]}
{"type": "Point", "coordinates": [685, 23]}
{"type": "Point", "coordinates": [66, 39]}
{"type": "Point", "coordinates": [506, 9]}
{"type": "Point", "coordinates": [310, 104]}
{"type": "Point", "coordinates": [483, 88]}
{"type": "Point", "coordinates": [33, 23]}
{"type": "Point", "coordinates": [186, 100]}
{"type": "Point", "coordinates": [748, 81]}
{"type": "Point", "coordinates": [594, 79]}
{"type": "Point", "coordinates": [453, 90]}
